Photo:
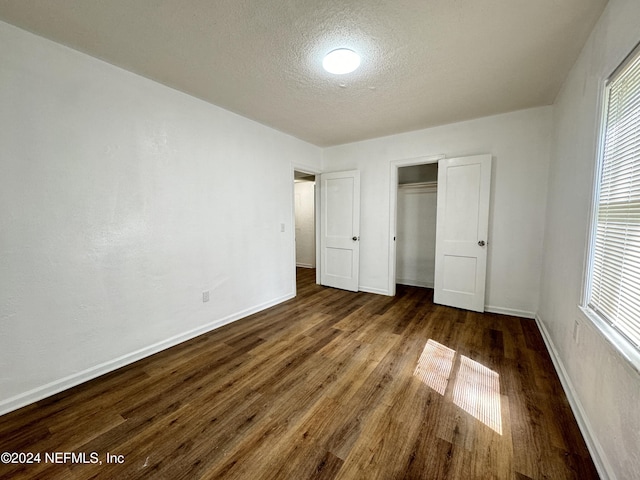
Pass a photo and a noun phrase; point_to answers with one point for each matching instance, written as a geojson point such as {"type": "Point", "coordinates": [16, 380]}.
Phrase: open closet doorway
{"type": "Point", "coordinates": [416, 225]}
{"type": "Point", "coordinates": [461, 231]}
{"type": "Point", "coordinates": [413, 204]}
{"type": "Point", "coordinates": [305, 219]}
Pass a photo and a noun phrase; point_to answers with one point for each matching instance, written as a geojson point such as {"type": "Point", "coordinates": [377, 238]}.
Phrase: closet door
{"type": "Point", "coordinates": [461, 233]}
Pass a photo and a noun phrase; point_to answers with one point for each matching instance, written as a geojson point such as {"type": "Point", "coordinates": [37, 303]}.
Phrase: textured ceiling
{"type": "Point", "coordinates": [424, 62]}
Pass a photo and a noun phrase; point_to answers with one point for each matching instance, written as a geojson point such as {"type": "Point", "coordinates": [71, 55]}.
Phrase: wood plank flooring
{"type": "Point", "coordinates": [329, 385]}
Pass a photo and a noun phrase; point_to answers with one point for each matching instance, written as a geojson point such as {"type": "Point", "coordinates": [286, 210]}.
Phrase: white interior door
{"type": "Point", "coordinates": [340, 229]}
{"type": "Point", "coordinates": [461, 231]}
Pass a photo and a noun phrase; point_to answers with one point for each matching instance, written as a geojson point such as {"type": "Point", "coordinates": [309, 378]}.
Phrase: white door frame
{"type": "Point", "coordinates": [393, 209]}
{"type": "Point", "coordinates": [295, 167]}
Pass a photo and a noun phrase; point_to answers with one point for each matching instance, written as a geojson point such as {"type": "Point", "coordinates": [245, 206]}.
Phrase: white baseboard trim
{"type": "Point", "coordinates": [414, 283]}
{"type": "Point", "coordinates": [595, 449]}
{"type": "Point", "coordinates": [305, 265]}
{"type": "Point", "coordinates": [509, 311]}
{"type": "Point", "coordinates": [377, 291]}
{"type": "Point", "coordinates": [67, 382]}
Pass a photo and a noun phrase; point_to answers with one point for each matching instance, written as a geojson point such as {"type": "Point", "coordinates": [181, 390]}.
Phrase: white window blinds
{"type": "Point", "coordinates": [614, 289]}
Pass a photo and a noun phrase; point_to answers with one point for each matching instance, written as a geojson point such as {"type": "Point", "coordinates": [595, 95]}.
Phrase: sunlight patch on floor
{"type": "Point", "coordinates": [434, 366]}
{"type": "Point", "coordinates": [477, 392]}
{"type": "Point", "coordinates": [476, 389]}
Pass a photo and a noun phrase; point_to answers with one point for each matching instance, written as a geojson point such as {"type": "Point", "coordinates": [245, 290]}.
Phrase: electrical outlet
{"type": "Point", "coordinates": [282, 227]}
{"type": "Point", "coordinates": [205, 296]}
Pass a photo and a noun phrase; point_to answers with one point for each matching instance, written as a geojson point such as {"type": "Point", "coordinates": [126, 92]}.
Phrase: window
{"type": "Point", "coordinates": [613, 290]}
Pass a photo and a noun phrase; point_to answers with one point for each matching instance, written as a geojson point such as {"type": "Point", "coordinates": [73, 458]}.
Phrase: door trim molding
{"type": "Point", "coordinates": [393, 210]}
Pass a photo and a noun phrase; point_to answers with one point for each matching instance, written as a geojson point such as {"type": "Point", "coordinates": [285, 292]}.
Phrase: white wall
{"type": "Point", "coordinates": [121, 201]}
{"type": "Point", "coordinates": [604, 389]}
{"type": "Point", "coordinates": [519, 143]}
{"type": "Point", "coordinates": [305, 224]}
{"type": "Point", "coordinates": [416, 235]}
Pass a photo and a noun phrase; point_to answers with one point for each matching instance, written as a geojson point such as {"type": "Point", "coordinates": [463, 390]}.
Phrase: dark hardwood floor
{"type": "Point", "coordinates": [331, 384]}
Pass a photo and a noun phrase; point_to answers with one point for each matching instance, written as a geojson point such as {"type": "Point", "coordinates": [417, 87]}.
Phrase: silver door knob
{"type": "Point", "coordinates": [481, 243]}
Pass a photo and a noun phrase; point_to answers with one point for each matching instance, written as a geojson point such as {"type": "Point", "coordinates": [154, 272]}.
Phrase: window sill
{"type": "Point", "coordinates": [629, 354]}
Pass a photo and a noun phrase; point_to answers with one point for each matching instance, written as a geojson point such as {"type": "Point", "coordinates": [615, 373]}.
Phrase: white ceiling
{"type": "Point", "coordinates": [424, 62]}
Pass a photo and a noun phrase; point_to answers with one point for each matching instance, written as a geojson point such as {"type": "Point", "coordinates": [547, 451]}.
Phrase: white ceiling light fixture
{"type": "Point", "coordinates": [341, 61]}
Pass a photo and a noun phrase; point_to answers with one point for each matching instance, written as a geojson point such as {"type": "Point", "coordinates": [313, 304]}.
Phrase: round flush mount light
{"type": "Point", "coordinates": [341, 61]}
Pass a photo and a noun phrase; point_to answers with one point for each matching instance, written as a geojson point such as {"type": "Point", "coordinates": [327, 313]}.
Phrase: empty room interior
{"type": "Point", "coordinates": [317, 239]}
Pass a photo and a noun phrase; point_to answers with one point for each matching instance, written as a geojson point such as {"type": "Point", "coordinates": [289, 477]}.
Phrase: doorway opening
{"type": "Point", "coordinates": [462, 227]}
{"type": "Point", "coordinates": [416, 207]}
{"type": "Point", "coordinates": [413, 189]}
{"type": "Point", "coordinates": [305, 219]}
